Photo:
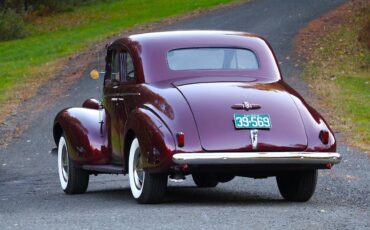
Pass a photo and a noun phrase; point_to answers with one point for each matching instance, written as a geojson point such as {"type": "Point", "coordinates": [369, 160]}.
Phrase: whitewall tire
{"type": "Point", "coordinates": [145, 187]}
{"type": "Point", "coordinates": [63, 160]}
{"type": "Point", "coordinates": [136, 175]}
{"type": "Point", "coordinates": [73, 180]}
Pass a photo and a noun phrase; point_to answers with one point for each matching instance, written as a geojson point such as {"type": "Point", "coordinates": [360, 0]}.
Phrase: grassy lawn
{"type": "Point", "coordinates": [338, 71]}
{"type": "Point", "coordinates": [28, 62]}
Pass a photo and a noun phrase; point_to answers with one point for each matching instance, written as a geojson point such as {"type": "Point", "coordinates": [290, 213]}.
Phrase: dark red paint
{"type": "Point", "coordinates": [161, 103]}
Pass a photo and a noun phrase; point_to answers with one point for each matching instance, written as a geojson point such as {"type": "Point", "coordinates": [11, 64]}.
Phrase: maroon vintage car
{"type": "Point", "coordinates": [212, 104]}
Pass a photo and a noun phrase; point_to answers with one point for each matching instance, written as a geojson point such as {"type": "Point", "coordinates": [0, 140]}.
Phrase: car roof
{"type": "Point", "coordinates": [191, 36]}
{"type": "Point", "coordinates": [152, 48]}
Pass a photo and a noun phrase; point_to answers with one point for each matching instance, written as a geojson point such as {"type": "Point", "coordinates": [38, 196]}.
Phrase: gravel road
{"type": "Point", "coordinates": [31, 198]}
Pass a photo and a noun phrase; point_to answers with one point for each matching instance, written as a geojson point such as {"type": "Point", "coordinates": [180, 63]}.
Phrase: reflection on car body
{"type": "Point", "coordinates": [211, 104]}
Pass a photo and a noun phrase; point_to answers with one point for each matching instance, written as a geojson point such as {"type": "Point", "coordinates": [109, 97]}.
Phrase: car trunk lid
{"type": "Point", "coordinates": [211, 104]}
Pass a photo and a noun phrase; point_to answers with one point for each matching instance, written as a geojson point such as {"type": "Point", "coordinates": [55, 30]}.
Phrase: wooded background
{"type": "Point", "coordinates": [15, 14]}
{"type": "Point", "coordinates": [40, 6]}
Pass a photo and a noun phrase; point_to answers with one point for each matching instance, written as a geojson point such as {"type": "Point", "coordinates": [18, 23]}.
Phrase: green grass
{"type": "Point", "coordinates": [338, 70]}
{"type": "Point", "coordinates": [58, 36]}
{"type": "Point", "coordinates": [355, 92]}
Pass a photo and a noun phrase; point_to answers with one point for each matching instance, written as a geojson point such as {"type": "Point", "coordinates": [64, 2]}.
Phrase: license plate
{"type": "Point", "coordinates": [252, 121]}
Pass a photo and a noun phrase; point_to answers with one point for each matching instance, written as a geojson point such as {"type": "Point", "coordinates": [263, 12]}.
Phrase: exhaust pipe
{"type": "Point", "coordinates": [177, 177]}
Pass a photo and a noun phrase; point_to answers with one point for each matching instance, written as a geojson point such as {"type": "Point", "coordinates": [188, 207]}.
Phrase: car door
{"type": "Point", "coordinates": [112, 101]}
{"type": "Point", "coordinates": [127, 92]}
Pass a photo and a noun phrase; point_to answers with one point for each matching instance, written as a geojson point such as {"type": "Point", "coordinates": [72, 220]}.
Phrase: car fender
{"type": "Point", "coordinates": [91, 104]}
{"type": "Point", "coordinates": [314, 123]}
{"type": "Point", "coordinates": [157, 143]}
{"type": "Point", "coordinates": [85, 134]}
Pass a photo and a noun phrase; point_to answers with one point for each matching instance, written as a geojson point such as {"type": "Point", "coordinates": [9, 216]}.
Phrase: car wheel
{"type": "Point", "coordinates": [298, 185]}
{"type": "Point", "coordinates": [205, 180]}
{"type": "Point", "coordinates": [146, 188]}
{"type": "Point", "coordinates": [73, 180]}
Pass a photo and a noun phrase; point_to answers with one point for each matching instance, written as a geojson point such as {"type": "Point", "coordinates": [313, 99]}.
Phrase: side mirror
{"type": "Point", "coordinates": [94, 74]}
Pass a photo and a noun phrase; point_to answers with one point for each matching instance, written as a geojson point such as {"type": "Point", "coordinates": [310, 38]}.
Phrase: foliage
{"type": "Point", "coordinates": [17, 15]}
{"type": "Point", "coordinates": [12, 25]}
{"type": "Point", "coordinates": [41, 7]}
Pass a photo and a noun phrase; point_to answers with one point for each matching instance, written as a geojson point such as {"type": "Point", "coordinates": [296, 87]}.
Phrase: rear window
{"type": "Point", "coordinates": [212, 59]}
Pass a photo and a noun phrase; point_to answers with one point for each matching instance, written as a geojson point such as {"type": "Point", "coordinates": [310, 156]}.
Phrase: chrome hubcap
{"type": "Point", "coordinates": [65, 164]}
{"type": "Point", "coordinates": [138, 171]}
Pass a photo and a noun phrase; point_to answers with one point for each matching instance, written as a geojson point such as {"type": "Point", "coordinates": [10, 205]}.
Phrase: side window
{"type": "Point", "coordinates": [120, 67]}
{"type": "Point", "coordinates": [130, 71]}
{"type": "Point", "coordinates": [114, 73]}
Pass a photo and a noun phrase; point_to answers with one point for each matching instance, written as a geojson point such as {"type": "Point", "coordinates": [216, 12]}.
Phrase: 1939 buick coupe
{"type": "Point", "coordinates": [211, 104]}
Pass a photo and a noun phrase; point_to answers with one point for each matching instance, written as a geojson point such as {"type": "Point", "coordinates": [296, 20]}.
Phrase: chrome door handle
{"type": "Point", "coordinates": [116, 99]}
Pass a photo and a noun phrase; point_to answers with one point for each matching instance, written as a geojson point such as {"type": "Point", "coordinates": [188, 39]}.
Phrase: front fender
{"type": "Point", "coordinates": [86, 138]}
{"type": "Point", "coordinates": [157, 143]}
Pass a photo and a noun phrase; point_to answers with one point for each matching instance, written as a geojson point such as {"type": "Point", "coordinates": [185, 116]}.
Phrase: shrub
{"type": "Point", "coordinates": [47, 7]}
{"type": "Point", "coordinates": [14, 13]}
{"type": "Point", "coordinates": [12, 25]}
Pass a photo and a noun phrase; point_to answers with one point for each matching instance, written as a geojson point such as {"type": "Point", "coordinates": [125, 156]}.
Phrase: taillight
{"type": "Point", "coordinates": [180, 139]}
{"type": "Point", "coordinates": [324, 137]}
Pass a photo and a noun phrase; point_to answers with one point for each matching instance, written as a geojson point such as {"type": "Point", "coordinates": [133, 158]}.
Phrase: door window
{"type": "Point", "coordinates": [120, 67]}
{"type": "Point", "coordinates": [130, 71]}
{"type": "Point", "coordinates": [114, 74]}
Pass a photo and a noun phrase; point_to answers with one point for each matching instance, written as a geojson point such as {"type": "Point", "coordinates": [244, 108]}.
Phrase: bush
{"type": "Point", "coordinates": [14, 13]}
{"type": "Point", "coordinates": [47, 7]}
{"type": "Point", "coordinates": [43, 7]}
{"type": "Point", "coordinates": [12, 25]}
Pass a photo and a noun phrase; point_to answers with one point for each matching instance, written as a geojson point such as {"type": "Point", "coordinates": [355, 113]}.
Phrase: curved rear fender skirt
{"type": "Point", "coordinates": [157, 144]}
{"type": "Point", "coordinates": [86, 139]}
{"type": "Point", "coordinates": [314, 123]}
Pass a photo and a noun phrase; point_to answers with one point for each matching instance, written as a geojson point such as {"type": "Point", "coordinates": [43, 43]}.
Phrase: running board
{"type": "Point", "coordinates": [114, 169]}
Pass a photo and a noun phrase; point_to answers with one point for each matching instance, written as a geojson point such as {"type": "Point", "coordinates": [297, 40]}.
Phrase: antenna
{"type": "Point", "coordinates": [100, 72]}
{"type": "Point", "coordinates": [100, 97]}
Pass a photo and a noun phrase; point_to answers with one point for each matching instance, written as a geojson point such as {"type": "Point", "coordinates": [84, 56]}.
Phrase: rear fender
{"type": "Point", "coordinates": [157, 144]}
{"type": "Point", "coordinates": [86, 136]}
{"type": "Point", "coordinates": [314, 123]}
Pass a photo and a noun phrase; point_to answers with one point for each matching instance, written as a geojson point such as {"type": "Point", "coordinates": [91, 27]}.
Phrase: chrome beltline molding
{"type": "Point", "coordinates": [258, 158]}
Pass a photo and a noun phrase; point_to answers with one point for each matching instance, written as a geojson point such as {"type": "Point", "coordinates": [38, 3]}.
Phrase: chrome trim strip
{"type": "Point", "coordinates": [246, 105]}
{"type": "Point", "coordinates": [258, 158]}
{"type": "Point", "coordinates": [122, 94]}
{"type": "Point", "coordinates": [129, 94]}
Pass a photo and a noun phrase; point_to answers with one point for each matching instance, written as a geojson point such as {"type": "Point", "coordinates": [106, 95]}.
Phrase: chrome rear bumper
{"type": "Point", "coordinates": [257, 158]}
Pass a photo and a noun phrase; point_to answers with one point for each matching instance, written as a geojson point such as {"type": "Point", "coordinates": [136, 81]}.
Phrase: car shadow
{"type": "Point", "coordinates": [215, 196]}
{"type": "Point", "coordinates": [193, 195]}
{"type": "Point", "coordinates": [111, 194]}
